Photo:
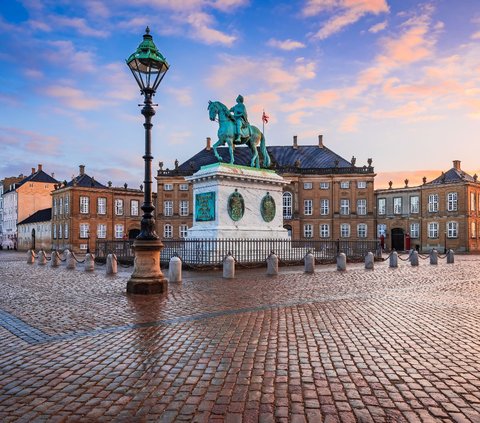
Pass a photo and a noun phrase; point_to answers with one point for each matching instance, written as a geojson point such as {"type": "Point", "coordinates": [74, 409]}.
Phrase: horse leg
{"type": "Point", "coordinates": [217, 144]}
{"type": "Point", "coordinates": [263, 149]}
{"type": "Point", "coordinates": [255, 162]}
{"type": "Point", "coordinates": [230, 148]}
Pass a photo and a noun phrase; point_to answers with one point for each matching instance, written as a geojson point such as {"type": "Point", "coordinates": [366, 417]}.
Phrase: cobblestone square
{"type": "Point", "coordinates": [382, 345]}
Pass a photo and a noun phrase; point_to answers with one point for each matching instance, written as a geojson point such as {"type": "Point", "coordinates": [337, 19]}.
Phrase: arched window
{"type": "Point", "coordinates": [287, 205]}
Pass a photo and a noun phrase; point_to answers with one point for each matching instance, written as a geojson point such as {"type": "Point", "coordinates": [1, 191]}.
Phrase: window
{"type": "Point", "coordinates": [473, 229]}
{"type": "Point", "coordinates": [381, 205]}
{"type": "Point", "coordinates": [381, 229]}
{"type": "Point", "coordinates": [167, 231]}
{"type": "Point", "coordinates": [324, 185]}
{"type": "Point", "coordinates": [84, 230]}
{"type": "Point", "coordinates": [118, 206]}
{"type": "Point", "coordinates": [414, 230]}
{"type": "Point", "coordinates": [67, 204]}
{"type": "Point", "coordinates": [65, 232]}
{"type": "Point", "coordinates": [414, 204]}
{"type": "Point", "coordinates": [361, 184]}
{"type": "Point", "coordinates": [134, 208]}
{"type": "Point", "coordinates": [84, 205]}
{"type": "Point", "coordinates": [184, 208]}
{"type": "Point", "coordinates": [183, 187]}
{"type": "Point", "coordinates": [344, 184]}
{"type": "Point", "coordinates": [183, 230]}
{"type": "Point", "coordinates": [168, 208]}
{"type": "Point", "coordinates": [452, 201]}
{"type": "Point", "coordinates": [54, 231]}
{"type": "Point", "coordinates": [397, 205]}
{"type": "Point", "coordinates": [362, 206]}
{"type": "Point", "coordinates": [362, 230]}
{"type": "Point", "coordinates": [344, 206]}
{"type": "Point", "coordinates": [307, 185]}
{"type": "Point", "coordinates": [307, 207]}
{"type": "Point", "coordinates": [345, 230]}
{"type": "Point", "coordinates": [101, 231]}
{"type": "Point", "coordinates": [452, 229]}
{"type": "Point", "coordinates": [287, 205]}
{"type": "Point", "coordinates": [119, 231]}
{"type": "Point", "coordinates": [54, 206]}
{"type": "Point", "coordinates": [168, 187]}
{"type": "Point", "coordinates": [324, 206]}
{"type": "Point", "coordinates": [472, 201]}
{"type": "Point", "coordinates": [60, 231]}
{"type": "Point", "coordinates": [101, 205]}
{"type": "Point", "coordinates": [83, 246]}
{"type": "Point", "coordinates": [433, 230]}
{"type": "Point", "coordinates": [433, 203]}
{"type": "Point", "coordinates": [60, 206]}
{"type": "Point", "coordinates": [308, 230]}
{"type": "Point", "coordinates": [324, 231]}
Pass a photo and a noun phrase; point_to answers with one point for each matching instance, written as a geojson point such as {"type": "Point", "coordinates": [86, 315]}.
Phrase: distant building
{"type": "Point", "coordinates": [84, 211]}
{"type": "Point", "coordinates": [443, 213]}
{"type": "Point", "coordinates": [5, 185]}
{"type": "Point", "coordinates": [24, 198]}
{"type": "Point", "coordinates": [35, 231]}
{"type": "Point", "coordinates": [326, 196]}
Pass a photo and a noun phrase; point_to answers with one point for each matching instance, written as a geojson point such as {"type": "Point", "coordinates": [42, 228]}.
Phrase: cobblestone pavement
{"type": "Point", "coordinates": [388, 345]}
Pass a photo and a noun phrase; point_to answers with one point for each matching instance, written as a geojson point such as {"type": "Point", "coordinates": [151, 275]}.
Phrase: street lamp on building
{"type": "Point", "coordinates": [148, 66]}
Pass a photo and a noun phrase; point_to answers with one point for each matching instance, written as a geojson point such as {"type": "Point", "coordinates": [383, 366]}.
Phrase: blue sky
{"type": "Point", "coordinates": [394, 80]}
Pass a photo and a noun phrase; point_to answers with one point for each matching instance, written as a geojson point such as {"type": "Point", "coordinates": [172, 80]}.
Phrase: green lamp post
{"type": "Point", "coordinates": [148, 66]}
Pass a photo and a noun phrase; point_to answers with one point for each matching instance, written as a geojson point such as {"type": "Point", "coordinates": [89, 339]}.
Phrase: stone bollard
{"type": "Point", "coordinates": [450, 257]}
{"type": "Point", "coordinates": [272, 265]}
{"type": "Point", "coordinates": [342, 262]}
{"type": "Point", "coordinates": [71, 263]}
{"type": "Point", "coordinates": [309, 263]}
{"type": "Point", "coordinates": [393, 261]}
{"type": "Point", "coordinates": [414, 258]}
{"type": "Point", "coordinates": [112, 266]}
{"type": "Point", "coordinates": [30, 257]}
{"type": "Point", "coordinates": [434, 256]}
{"type": "Point", "coordinates": [55, 262]}
{"type": "Point", "coordinates": [175, 269]}
{"type": "Point", "coordinates": [369, 260]}
{"type": "Point", "coordinates": [229, 267]}
{"type": "Point", "coordinates": [89, 262]}
{"type": "Point", "coordinates": [42, 258]}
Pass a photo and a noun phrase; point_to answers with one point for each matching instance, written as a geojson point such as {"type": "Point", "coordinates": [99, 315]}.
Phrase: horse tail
{"type": "Point", "coordinates": [263, 149]}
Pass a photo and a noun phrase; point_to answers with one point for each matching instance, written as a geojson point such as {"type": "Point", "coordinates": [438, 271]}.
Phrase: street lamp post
{"type": "Point", "coordinates": [148, 66]}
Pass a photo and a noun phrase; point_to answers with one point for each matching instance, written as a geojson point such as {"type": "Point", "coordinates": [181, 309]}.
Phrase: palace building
{"type": "Point", "coordinates": [326, 196]}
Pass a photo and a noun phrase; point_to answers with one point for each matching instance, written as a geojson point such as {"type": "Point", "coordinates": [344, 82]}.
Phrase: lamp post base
{"type": "Point", "coordinates": [147, 278]}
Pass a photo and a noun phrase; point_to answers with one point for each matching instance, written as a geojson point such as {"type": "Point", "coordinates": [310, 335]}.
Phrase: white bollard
{"type": "Point", "coordinates": [112, 266]}
{"type": "Point", "coordinates": [341, 262]}
{"type": "Point", "coordinates": [175, 270]}
{"type": "Point", "coordinates": [71, 263]}
{"type": "Point", "coordinates": [309, 263]}
{"type": "Point", "coordinates": [42, 258]}
{"type": "Point", "coordinates": [434, 256]}
{"type": "Point", "coordinates": [89, 262]}
{"type": "Point", "coordinates": [414, 258]}
{"type": "Point", "coordinates": [369, 260]}
{"type": "Point", "coordinates": [30, 257]}
{"type": "Point", "coordinates": [55, 262]}
{"type": "Point", "coordinates": [229, 267]}
{"type": "Point", "coordinates": [450, 257]}
{"type": "Point", "coordinates": [393, 262]}
{"type": "Point", "coordinates": [272, 265]}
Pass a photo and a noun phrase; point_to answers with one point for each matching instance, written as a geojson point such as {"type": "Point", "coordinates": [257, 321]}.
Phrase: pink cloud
{"type": "Point", "coordinates": [378, 27]}
{"type": "Point", "coordinates": [287, 44]}
{"type": "Point", "coordinates": [78, 24]}
{"type": "Point", "coordinates": [313, 100]}
{"type": "Point", "coordinates": [19, 140]}
{"type": "Point", "coordinates": [73, 97]}
{"type": "Point", "coordinates": [349, 124]}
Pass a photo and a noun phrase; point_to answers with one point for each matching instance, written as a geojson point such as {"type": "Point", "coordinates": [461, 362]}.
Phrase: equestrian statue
{"type": "Point", "coordinates": [234, 129]}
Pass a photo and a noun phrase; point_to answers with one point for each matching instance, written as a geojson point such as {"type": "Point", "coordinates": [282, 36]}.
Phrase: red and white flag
{"type": "Point", "coordinates": [265, 117]}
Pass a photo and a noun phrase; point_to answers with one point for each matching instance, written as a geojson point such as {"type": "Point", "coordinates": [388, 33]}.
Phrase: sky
{"type": "Point", "coordinates": [397, 81]}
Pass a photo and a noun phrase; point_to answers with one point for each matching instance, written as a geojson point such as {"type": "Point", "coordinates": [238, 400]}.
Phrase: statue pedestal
{"type": "Point", "coordinates": [147, 278]}
{"type": "Point", "coordinates": [237, 202]}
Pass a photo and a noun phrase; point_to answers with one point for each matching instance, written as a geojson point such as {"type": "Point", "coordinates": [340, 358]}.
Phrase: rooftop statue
{"type": "Point", "coordinates": [234, 129]}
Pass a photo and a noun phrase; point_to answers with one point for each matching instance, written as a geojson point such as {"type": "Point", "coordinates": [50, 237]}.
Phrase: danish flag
{"type": "Point", "coordinates": [265, 117]}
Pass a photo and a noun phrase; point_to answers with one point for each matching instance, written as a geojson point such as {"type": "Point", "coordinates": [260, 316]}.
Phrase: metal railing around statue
{"type": "Point", "coordinates": [199, 253]}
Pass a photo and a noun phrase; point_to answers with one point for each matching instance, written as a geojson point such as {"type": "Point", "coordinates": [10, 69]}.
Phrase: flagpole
{"type": "Point", "coordinates": [263, 123]}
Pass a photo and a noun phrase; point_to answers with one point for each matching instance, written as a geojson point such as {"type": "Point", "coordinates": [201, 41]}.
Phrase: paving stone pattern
{"type": "Point", "coordinates": [388, 345]}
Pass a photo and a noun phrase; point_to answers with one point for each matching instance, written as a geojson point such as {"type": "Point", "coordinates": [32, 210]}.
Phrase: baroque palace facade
{"type": "Point", "coordinates": [326, 196]}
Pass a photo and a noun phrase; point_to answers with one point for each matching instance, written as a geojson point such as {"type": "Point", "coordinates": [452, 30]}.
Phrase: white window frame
{"type": "Point", "coordinates": [60, 231]}
{"type": "Point", "coordinates": [308, 185]}
{"type": "Point", "coordinates": [184, 207]}
{"type": "Point", "coordinates": [167, 231]}
{"type": "Point", "coordinates": [308, 230]}
{"type": "Point", "coordinates": [168, 187]}
{"type": "Point", "coordinates": [452, 230]}
{"type": "Point", "coordinates": [362, 206]}
{"type": "Point", "coordinates": [472, 201]}
{"type": "Point", "coordinates": [287, 200]}
{"type": "Point", "coordinates": [345, 230]}
{"type": "Point", "coordinates": [432, 230]}
{"type": "Point", "coordinates": [361, 184]}
{"type": "Point", "coordinates": [362, 229]}
{"type": "Point", "coordinates": [414, 204]}
{"type": "Point", "coordinates": [452, 201]}
{"type": "Point", "coordinates": [65, 231]}
{"type": "Point", "coordinates": [119, 207]}
{"type": "Point", "coordinates": [60, 206]}
{"type": "Point", "coordinates": [324, 185]}
{"type": "Point", "coordinates": [382, 206]}
{"type": "Point", "coordinates": [168, 208]}
{"type": "Point", "coordinates": [183, 231]}
{"type": "Point", "coordinates": [381, 230]}
{"type": "Point", "coordinates": [134, 207]}
{"type": "Point", "coordinates": [308, 207]}
{"type": "Point", "coordinates": [54, 231]}
{"type": "Point", "coordinates": [414, 230]}
{"type": "Point", "coordinates": [84, 230]}
{"type": "Point", "coordinates": [344, 206]}
{"type": "Point", "coordinates": [397, 205]}
{"type": "Point", "coordinates": [54, 206]}
{"type": "Point", "coordinates": [324, 206]}
{"type": "Point", "coordinates": [84, 204]}
{"type": "Point", "coordinates": [101, 205]}
{"type": "Point", "coordinates": [344, 184]}
{"type": "Point", "coordinates": [101, 231]}
{"type": "Point", "coordinates": [119, 231]}
{"type": "Point", "coordinates": [433, 203]}
{"type": "Point", "coordinates": [183, 187]}
{"type": "Point", "coordinates": [67, 205]}
{"type": "Point", "coordinates": [324, 230]}
{"type": "Point", "coordinates": [473, 229]}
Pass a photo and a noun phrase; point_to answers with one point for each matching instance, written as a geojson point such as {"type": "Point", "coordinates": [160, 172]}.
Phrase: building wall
{"type": "Point", "coordinates": [42, 236]}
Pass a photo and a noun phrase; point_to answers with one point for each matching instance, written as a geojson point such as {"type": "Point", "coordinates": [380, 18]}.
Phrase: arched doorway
{"type": "Point", "coordinates": [289, 230]}
{"type": "Point", "coordinates": [133, 233]}
{"type": "Point", "coordinates": [33, 239]}
{"type": "Point", "coordinates": [398, 239]}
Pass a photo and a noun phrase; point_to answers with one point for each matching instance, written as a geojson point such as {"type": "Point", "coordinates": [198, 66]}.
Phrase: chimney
{"type": "Point", "coordinates": [82, 169]}
{"type": "Point", "coordinates": [320, 141]}
{"type": "Point", "coordinates": [456, 164]}
{"type": "Point", "coordinates": [33, 170]}
{"type": "Point", "coordinates": [295, 145]}
{"type": "Point", "coordinates": [40, 167]}
{"type": "Point", "coordinates": [53, 175]}
{"type": "Point", "coordinates": [209, 144]}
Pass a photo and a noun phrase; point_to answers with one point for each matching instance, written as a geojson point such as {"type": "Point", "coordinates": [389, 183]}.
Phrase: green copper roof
{"type": "Point", "coordinates": [147, 55]}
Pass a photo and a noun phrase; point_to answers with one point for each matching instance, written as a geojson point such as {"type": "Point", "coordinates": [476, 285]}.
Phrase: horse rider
{"type": "Point", "coordinates": [240, 116]}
